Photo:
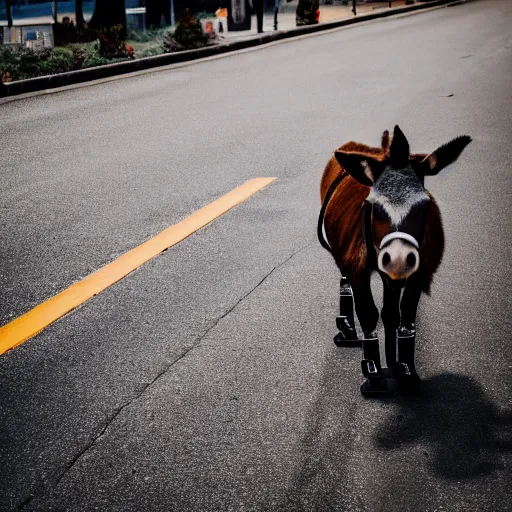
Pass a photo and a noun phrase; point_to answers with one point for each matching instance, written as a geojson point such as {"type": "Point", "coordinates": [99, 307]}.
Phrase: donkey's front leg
{"type": "Point", "coordinates": [406, 371]}
{"type": "Point", "coordinates": [368, 316]}
{"type": "Point", "coordinates": [366, 311]}
{"type": "Point", "coordinates": [390, 315]}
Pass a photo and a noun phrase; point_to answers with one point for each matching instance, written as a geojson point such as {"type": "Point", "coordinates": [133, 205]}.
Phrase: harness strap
{"type": "Point", "coordinates": [402, 236]}
{"type": "Point", "coordinates": [367, 218]}
{"type": "Point", "coordinates": [320, 227]}
{"type": "Point", "coordinates": [367, 214]}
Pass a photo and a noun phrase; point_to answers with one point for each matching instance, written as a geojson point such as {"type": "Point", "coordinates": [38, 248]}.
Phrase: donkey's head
{"type": "Point", "coordinates": [397, 203]}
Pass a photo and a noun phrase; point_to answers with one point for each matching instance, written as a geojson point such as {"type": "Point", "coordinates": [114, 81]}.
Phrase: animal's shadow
{"type": "Point", "coordinates": [461, 428]}
{"type": "Point", "coordinates": [453, 420]}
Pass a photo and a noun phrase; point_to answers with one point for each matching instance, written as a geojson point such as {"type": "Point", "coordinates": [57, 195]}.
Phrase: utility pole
{"type": "Point", "coordinates": [354, 7]}
{"type": "Point", "coordinates": [79, 14]}
{"type": "Point", "coordinates": [172, 13]}
{"type": "Point", "coordinates": [276, 10]}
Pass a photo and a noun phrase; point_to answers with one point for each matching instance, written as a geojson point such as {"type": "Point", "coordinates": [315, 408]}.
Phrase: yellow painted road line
{"type": "Point", "coordinates": [28, 325]}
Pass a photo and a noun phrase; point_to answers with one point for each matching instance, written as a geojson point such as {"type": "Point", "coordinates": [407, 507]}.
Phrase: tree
{"type": "Point", "coordinates": [79, 14]}
{"type": "Point", "coordinates": [108, 14]}
{"type": "Point", "coordinates": [155, 9]}
{"type": "Point", "coordinates": [8, 4]}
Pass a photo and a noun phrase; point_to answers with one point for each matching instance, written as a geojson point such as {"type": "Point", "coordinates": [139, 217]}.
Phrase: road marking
{"type": "Point", "coordinates": [34, 321]}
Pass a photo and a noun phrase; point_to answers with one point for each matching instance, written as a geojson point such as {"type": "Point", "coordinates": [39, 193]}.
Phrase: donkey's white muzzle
{"type": "Point", "coordinates": [398, 257]}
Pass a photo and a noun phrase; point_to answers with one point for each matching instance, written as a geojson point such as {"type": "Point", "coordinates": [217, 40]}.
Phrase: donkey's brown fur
{"type": "Point", "coordinates": [377, 216]}
{"type": "Point", "coordinates": [344, 222]}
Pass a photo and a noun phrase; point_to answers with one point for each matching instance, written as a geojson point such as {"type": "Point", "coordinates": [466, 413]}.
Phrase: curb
{"type": "Point", "coordinates": [101, 72]}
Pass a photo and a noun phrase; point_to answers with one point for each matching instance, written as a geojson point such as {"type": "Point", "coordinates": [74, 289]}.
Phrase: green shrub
{"type": "Point", "coordinates": [187, 35]}
{"type": "Point", "coordinates": [60, 60]}
{"type": "Point", "coordinates": [148, 43]}
{"type": "Point", "coordinates": [9, 64]}
{"type": "Point", "coordinates": [89, 56]}
{"type": "Point", "coordinates": [171, 45]}
{"type": "Point", "coordinates": [204, 14]}
{"type": "Point", "coordinates": [23, 63]}
{"type": "Point", "coordinates": [145, 36]}
{"type": "Point", "coordinates": [149, 51]}
{"type": "Point", "coordinates": [112, 43]}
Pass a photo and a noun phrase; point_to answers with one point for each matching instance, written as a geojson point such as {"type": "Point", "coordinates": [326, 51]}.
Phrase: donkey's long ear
{"type": "Point", "coordinates": [385, 141]}
{"type": "Point", "coordinates": [399, 149]}
{"type": "Point", "coordinates": [444, 155]}
{"type": "Point", "coordinates": [362, 168]}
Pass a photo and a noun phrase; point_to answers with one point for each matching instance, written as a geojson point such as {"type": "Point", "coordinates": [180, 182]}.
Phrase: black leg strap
{"type": "Point", "coordinates": [375, 382]}
{"type": "Point", "coordinates": [347, 303]}
{"type": "Point", "coordinates": [405, 370]}
{"type": "Point", "coordinates": [371, 356]}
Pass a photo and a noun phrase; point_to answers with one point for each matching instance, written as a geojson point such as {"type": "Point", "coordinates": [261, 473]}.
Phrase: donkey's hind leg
{"type": "Point", "coordinates": [375, 379]}
{"type": "Point", "coordinates": [345, 321]}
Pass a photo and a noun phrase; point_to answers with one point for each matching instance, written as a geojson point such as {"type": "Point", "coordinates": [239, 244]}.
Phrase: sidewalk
{"type": "Point", "coordinates": [332, 16]}
{"type": "Point", "coordinates": [286, 16]}
{"type": "Point", "coordinates": [332, 12]}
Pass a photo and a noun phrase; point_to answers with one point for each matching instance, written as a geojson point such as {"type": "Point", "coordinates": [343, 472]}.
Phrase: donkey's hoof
{"type": "Point", "coordinates": [347, 337]}
{"type": "Point", "coordinates": [342, 340]}
{"type": "Point", "coordinates": [376, 386]}
{"type": "Point", "coordinates": [346, 326]}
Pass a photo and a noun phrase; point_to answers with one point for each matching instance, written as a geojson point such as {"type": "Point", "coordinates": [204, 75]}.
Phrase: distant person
{"type": "Point", "coordinates": [258, 8]}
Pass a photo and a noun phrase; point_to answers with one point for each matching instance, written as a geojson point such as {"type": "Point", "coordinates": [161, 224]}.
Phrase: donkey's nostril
{"type": "Point", "coordinates": [411, 259]}
{"type": "Point", "coordinates": [386, 259]}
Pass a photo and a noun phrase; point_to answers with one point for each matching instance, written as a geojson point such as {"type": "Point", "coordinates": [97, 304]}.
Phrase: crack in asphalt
{"type": "Point", "coordinates": [120, 409]}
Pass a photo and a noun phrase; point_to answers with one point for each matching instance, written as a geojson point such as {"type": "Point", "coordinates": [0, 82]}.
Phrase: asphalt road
{"type": "Point", "coordinates": [208, 380]}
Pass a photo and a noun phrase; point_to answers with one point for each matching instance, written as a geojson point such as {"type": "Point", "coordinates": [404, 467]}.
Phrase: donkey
{"type": "Point", "coordinates": [376, 215]}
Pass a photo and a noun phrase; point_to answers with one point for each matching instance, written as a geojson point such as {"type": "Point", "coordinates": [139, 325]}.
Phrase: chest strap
{"type": "Point", "coordinates": [320, 231]}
